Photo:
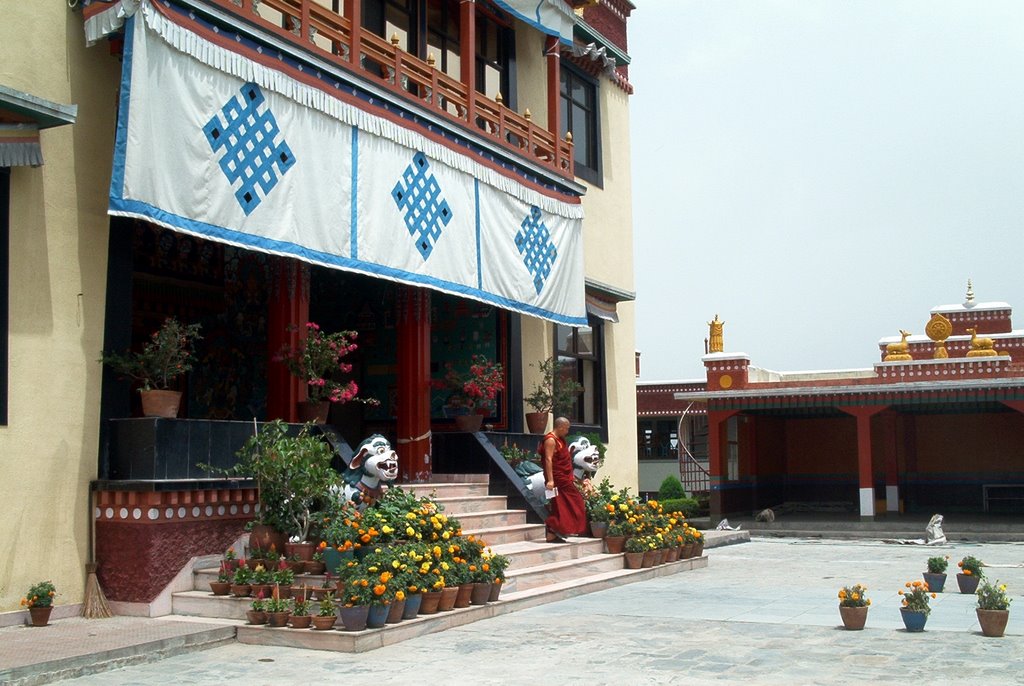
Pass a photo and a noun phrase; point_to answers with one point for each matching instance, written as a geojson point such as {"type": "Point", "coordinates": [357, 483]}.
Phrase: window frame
{"type": "Point", "coordinates": [593, 173]}
{"type": "Point", "coordinates": [598, 393]}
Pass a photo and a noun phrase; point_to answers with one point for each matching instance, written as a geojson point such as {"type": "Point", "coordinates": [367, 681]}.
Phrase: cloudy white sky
{"type": "Point", "coordinates": [821, 173]}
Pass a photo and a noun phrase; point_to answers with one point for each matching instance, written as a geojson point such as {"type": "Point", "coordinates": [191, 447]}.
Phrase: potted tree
{"type": "Point", "coordinates": [167, 355]}
{"type": "Point", "coordinates": [317, 360]}
{"type": "Point", "coordinates": [556, 391]}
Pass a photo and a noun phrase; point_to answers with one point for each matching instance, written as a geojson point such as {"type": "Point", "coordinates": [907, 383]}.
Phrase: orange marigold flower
{"type": "Point", "coordinates": [379, 589]}
{"type": "Point", "coordinates": [967, 572]}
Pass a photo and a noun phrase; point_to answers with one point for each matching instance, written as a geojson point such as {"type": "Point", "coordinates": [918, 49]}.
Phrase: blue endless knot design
{"type": "Point", "coordinates": [534, 243]}
{"type": "Point", "coordinates": [426, 212]}
{"type": "Point", "coordinates": [246, 134]}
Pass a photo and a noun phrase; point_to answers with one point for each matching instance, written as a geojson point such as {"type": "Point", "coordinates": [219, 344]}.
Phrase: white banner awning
{"type": "Point", "coordinates": [214, 143]}
{"type": "Point", "coordinates": [553, 17]}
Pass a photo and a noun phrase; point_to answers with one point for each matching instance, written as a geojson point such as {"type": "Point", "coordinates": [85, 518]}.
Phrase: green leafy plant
{"type": "Point", "coordinates": [283, 575]}
{"type": "Point", "coordinates": [557, 389]}
{"type": "Point", "coordinates": [992, 596]}
{"type": "Point", "coordinates": [916, 599]}
{"type": "Point", "coordinates": [276, 604]}
{"type": "Point", "coordinates": [938, 564]}
{"type": "Point", "coordinates": [515, 455]}
{"type": "Point", "coordinates": [636, 544]}
{"type": "Point", "coordinates": [971, 566]}
{"type": "Point", "coordinates": [167, 355]}
{"type": "Point", "coordinates": [326, 606]}
{"type": "Point", "coordinates": [301, 607]}
{"type": "Point", "coordinates": [671, 488]}
{"type": "Point", "coordinates": [40, 594]}
{"type": "Point", "coordinates": [293, 474]}
{"type": "Point", "coordinates": [854, 596]}
{"type": "Point", "coordinates": [261, 576]}
{"type": "Point", "coordinates": [243, 575]}
{"type": "Point", "coordinates": [259, 603]}
{"type": "Point", "coordinates": [317, 361]}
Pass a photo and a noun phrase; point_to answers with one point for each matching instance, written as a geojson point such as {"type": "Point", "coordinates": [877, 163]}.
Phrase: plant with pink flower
{"type": "Point", "coordinates": [317, 359]}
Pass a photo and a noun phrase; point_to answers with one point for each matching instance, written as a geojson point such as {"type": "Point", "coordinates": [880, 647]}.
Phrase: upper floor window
{"type": "Point", "coordinates": [579, 113]}
{"type": "Point", "coordinates": [580, 355]}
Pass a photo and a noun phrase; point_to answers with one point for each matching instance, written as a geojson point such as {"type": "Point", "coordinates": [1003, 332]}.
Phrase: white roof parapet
{"type": "Point", "coordinates": [711, 357]}
{"type": "Point", "coordinates": [921, 338]}
{"type": "Point", "coordinates": [971, 307]}
{"type": "Point", "coordinates": [903, 388]}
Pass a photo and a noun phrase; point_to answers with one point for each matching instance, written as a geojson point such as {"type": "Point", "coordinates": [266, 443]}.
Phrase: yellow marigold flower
{"type": "Point", "coordinates": [399, 595]}
{"type": "Point", "coordinates": [437, 551]}
{"type": "Point", "coordinates": [869, 601]}
{"type": "Point", "coordinates": [1002, 587]}
{"type": "Point", "coordinates": [615, 497]}
{"type": "Point", "coordinates": [623, 507]}
{"type": "Point", "coordinates": [387, 529]}
{"type": "Point", "coordinates": [900, 592]}
{"type": "Point", "coordinates": [446, 535]}
{"type": "Point", "coordinates": [410, 515]}
{"type": "Point", "coordinates": [856, 596]}
{"type": "Point", "coordinates": [409, 531]}
{"type": "Point", "coordinates": [396, 564]}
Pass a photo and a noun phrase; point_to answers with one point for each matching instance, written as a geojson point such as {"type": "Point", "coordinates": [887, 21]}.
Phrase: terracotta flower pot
{"type": "Point", "coordinates": [598, 529]}
{"type": "Point", "coordinates": [313, 412]}
{"type": "Point", "coordinates": [263, 537]}
{"type": "Point", "coordinates": [481, 592]}
{"type": "Point", "coordinates": [634, 560]}
{"type": "Point", "coordinates": [314, 567]}
{"type": "Point", "coordinates": [324, 623]}
{"type": "Point", "coordinates": [300, 622]}
{"type": "Point", "coordinates": [220, 587]}
{"type": "Point", "coordinates": [469, 422]}
{"type": "Point", "coordinates": [649, 557]}
{"type": "Point", "coordinates": [397, 609]}
{"type": "Point", "coordinates": [241, 590]}
{"type": "Point", "coordinates": [614, 544]}
{"type": "Point", "coordinates": [160, 403]}
{"type": "Point", "coordinates": [536, 422]}
{"type": "Point", "coordinates": [277, 619]}
{"type": "Point", "coordinates": [687, 551]}
{"type": "Point", "coordinates": [256, 617]}
{"type": "Point", "coordinates": [448, 596]}
{"type": "Point", "coordinates": [464, 596]}
{"type": "Point", "coordinates": [41, 615]}
{"type": "Point", "coordinates": [853, 617]}
{"type": "Point", "coordinates": [302, 551]}
{"type": "Point", "coordinates": [429, 604]}
{"type": "Point", "coordinates": [993, 622]}
{"type": "Point", "coordinates": [495, 591]}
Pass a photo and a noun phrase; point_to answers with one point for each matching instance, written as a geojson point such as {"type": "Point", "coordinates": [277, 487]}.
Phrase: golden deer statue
{"type": "Point", "coordinates": [980, 347]}
{"type": "Point", "coordinates": [896, 352]}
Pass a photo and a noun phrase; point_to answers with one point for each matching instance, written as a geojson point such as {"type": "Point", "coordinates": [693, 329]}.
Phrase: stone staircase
{"type": "Point", "coordinates": [539, 572]}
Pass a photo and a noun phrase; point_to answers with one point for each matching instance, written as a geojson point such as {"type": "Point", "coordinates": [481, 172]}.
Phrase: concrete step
{"type": "Point", "coordinates": [472, 521]}
{"type": "Point", "coordinates": [370, 639]}
{"type": "Point", "coordinates": [498, 535]}
{"type": "Point", "coordinates": [205, 604]}
{"type": "Point", "coordinates": [458, 506]}
{"type": "Point", "coordinates": [523, 554]}
{"type": "Point", "coordinates": [448, 490]}
{"type": "Point", "coordinates": [551, 573]}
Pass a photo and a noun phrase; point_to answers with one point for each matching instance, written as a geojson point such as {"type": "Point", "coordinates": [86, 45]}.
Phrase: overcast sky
{"type": "Point", "coordinates": [821, 174]}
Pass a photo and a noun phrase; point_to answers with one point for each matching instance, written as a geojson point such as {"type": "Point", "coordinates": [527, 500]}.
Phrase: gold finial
{"type": "Point", "coordinates": [498, 99]}
{"type": "Point", "coordinates": [716, 343]}
{"type": "Point", "coordinates": [431, 60]}
{"type": "Point", "coordinates": [939, 329]}
{"type": "Point", "coordinates": [568, 136]}
{"type": "Point", "coordinates": [970, 294]}
{"type": "Point", "coordinates": [395, 39]}
{"type": "Point", "coordinates": [899, 352]}
{"type": "Point", "coordinates": [527, 114]}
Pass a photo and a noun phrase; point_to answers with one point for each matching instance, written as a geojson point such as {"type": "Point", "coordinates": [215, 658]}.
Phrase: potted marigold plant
{"type": "Point", "coordinates": [317, 359]}
{"type": "Point", "coordinates": [556, 391]}
{"type": "Point", "coordinates": [993, 608]}
{"type": "Point", "coordinates": [166, 356]}
{"type": "Point", "coordinates": [914, 608]}
{"type": "Point", "coordinates": [936, 574]}
{"type": "Point", "coordinates": [853, 606]}
{"type": "Point", "coordinates": [39, 601]}
{"type": "Point", "coordinates": [970, 574]}
{"type": "Point", "coordinates": [472, 392]}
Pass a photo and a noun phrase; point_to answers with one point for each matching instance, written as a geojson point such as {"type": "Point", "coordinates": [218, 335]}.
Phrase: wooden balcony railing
{"type": "Point", "coordinates": [327, 34]}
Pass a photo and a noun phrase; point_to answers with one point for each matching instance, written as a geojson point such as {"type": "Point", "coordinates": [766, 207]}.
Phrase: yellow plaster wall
{"type": "Point", "coordinates": [531, 70]}
{"type": "Point", "coordinates": [58, 244]}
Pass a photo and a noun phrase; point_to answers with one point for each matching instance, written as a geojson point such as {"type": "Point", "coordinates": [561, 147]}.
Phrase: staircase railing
{"type": "Point", "coordinates": [476, 453]}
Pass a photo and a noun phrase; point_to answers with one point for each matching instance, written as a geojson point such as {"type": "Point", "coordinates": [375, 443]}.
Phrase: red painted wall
{"type": "Point", "coordinates": [970, 443]}
{"type": "Point", "coordinates": [821, 446]}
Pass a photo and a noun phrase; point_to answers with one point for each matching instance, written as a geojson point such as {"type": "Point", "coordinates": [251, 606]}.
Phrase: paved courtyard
{"type": "Point", "coordinates": [763, 612]}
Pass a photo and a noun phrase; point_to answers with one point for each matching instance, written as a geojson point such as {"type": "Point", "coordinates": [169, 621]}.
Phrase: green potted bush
{"type": "Point", "coordinates": [556, 391]}
{"type": "Point", "coordinates": [635, 549]}
{"type": "Point", "coordinates": [471, 393]}
{"type": "Point", "coordinates": [935, 577]}
{"type": "Point", "coordinates": [993, 608]}
{"type": "Point", "coordinates": [970, 574]}
{"type": "Point", "coordinates": [166, 356]}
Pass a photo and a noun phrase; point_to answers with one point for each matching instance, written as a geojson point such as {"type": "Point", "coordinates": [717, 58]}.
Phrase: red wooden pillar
{"type": "Point", "coordinates": [354, 12]}
{"type": "Point", "coordinates": [414, 384]}
{"type": "Point", "coordinates": [467, 56]}
{"type": "Point", "coordinates": [716, 462]}
{"type": "Point", "coordinates": [553, 58]}
{"type": "Point", "coordinates": [865, 470]}
{"type": "Point", "coordinates": [288, 306]}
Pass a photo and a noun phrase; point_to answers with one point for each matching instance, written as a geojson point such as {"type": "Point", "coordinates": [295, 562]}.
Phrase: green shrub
{"type": "Point", "coordinates": [671, 489]}
{"type": "Point", "coordinates": [688, 506]}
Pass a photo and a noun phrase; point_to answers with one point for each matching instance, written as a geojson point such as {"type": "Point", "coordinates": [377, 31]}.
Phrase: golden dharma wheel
{"type": "Point", "coordinates": [938, 328]}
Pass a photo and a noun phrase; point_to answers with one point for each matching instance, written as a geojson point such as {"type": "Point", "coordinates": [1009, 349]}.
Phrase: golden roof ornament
{"type": "Point", "coordinates": [980, 347]}
{"type": "Point", "coordinates": [716, 343]}
{"type": "Point", "coordinates": [939, 329]}
{"type": "Point", "coordinates": [898, 352]}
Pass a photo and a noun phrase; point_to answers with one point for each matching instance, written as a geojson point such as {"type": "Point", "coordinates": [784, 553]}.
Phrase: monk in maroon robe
{"type": "Point", "coordinates": [568, 514]}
